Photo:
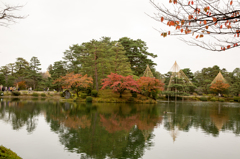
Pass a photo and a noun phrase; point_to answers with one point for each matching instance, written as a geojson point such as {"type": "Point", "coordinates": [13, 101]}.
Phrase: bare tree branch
{"type": "Point", "coordinates": [8, 15]}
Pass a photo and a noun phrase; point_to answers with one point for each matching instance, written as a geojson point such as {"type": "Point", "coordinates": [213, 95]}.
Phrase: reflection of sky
{"type": "Point", "coordinates": [194, 144]}
{"type": "Point", "coordinates": [41, 144]}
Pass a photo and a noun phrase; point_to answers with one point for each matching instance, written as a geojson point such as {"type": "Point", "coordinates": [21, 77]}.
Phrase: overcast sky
{"type": "Point", "coordinates": [54, 25]}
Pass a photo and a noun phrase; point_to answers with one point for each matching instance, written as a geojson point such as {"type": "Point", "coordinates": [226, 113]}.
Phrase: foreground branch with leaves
{"type": "Point", "coordinates": [218, 20]}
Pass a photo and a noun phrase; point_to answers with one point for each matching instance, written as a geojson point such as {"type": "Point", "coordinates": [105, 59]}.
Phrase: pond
{"type": "Point", "coordinates": [184, 130]}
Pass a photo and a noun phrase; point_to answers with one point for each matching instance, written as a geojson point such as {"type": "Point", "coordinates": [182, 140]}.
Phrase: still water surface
{"type": "Point", "coordinates": [188, 130]}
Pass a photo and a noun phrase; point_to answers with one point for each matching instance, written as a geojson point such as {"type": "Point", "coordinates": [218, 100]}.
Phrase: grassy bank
{"type": "Point", "coordinates": [7, 153]}
{"type": "Point", "coordinates": [104, 96]}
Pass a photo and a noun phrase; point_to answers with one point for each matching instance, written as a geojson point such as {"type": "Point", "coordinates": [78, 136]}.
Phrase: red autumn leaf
{"type": "Point", "coordinates": [231, 2]}
{"type": "Point", "coordinates": [162, 19]}
{"type": "Point", "coordinates": [205, 22]}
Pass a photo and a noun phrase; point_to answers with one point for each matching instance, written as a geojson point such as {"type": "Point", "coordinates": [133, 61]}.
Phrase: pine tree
{"type": "Point", "coordinates": [120, 64]}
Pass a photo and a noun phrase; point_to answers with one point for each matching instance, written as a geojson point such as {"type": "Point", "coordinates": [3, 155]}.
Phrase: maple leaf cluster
{"type": "Point", "coordinates": [21, 85]}
{"type": "Point", "coordinates": [73, 81]}
{"type": "Point", "coordinates": [219, 86]}
{"type": "Point", "coordinates": [202, 18]}
{"type": "Point", "coordinates": [120, 83]}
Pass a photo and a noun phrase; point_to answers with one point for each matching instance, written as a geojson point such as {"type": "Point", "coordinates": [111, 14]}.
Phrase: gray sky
{"type": "Point", "coordinates": [54, 25]}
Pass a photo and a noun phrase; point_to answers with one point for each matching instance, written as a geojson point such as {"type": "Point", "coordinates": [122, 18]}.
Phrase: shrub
{"type": "Point", "coordinates": [16, 93]}
{"type": "Point", "coordinates": [221, 100]}
{"type": "Point", "coordinates": [134, 94]}
{"type": "Point", "coordinates": [131, 99]}
{"type": "Point", "coordinates": [24, 92]}
{"type": "Point", "coordinates": [61, 94]}
{"type": "Point", "coordinates": [1, 93]}
{"type": "Point", "coordinates": [236, 99]}
{"type": "Point", "coordinates": [213, 99]}
{"type": "Point", "coordinates": [89, 99]}
{"type": "Point", "coordinates": [231, 100]}
{"type": "Point", "coordinates": [8, 154]}
{"type": "Point", "coordinates": [43, 94]}
{"type": "Point", "coordinates": [203, 98]}
{"type": "Point", "coordinates": [83, 95]}
{"type": "Point", "coordinates": [154, 95]}
{"type": "Point", "coordinates": [94, 93]}
{"type": "Point", "coordinates": [35, 94]}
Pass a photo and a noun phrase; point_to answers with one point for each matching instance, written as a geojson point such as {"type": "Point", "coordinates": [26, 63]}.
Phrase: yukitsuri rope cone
{"type": "Point", "coordinates": [148, 72]}
{"type": "Point", "coordinates": [178, 73]}
{"type": "Point", "coordinates": [219, 77]}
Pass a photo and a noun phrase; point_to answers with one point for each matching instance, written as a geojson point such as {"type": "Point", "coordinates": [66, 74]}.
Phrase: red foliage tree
{"type": "Point", "coordinates": [120, 83]}
{"type": "Point", "coordinates": [75, 81]}
{"type": "Point", "coordinates": [219, 86]}
{"type": "Point", "coordinates": [21, 85]}
{"type": "Point", "coordinates": [150, 84]}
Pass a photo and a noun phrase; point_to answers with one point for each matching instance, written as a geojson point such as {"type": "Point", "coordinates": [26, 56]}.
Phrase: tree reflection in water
{"type": "Point", "coordinates": [115, 134]}
{"type": "Point", "coordinates": [119, 130]}
{"type": "Point", "coordinates": [20, 114]}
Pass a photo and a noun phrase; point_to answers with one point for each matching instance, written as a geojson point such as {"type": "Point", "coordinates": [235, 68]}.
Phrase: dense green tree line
{"type": "Point", "coordinates": [96, 58]}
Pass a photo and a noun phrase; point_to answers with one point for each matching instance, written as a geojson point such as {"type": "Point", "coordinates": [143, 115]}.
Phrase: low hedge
{"type": "Point", "coordinates": [89, 99]}
{"type": "Point", "coordinates": [16, 93]}
{"type": "Point", "coordinates": [203, 98]}
{"type": "Point", "coordinates": [43, 94]}
{"type": "Point", "coordinates": [221, 100]}
{"type": "Point", "coordinates": [35, 94]}
{"type": "Point", "coordinates": [83, 95]}
{"type": "Point", "coordinates": [8, 154]}
{"type": "Point", "coordinates": [94, 93]}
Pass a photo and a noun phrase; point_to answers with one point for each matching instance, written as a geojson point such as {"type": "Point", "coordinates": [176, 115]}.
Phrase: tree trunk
{"type": "Point", "coordinates": [95, 64]}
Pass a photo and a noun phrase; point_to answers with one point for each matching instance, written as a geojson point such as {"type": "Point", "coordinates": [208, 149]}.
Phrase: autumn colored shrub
{"type": "Point", "coordinates": [219, 86]}
{"type": "Point", "coordinates": [16, 93]}
{"type": "Point", "coordinates": [94, 93]}
{"type": "Point", "coordinates": [120, 83]}
{"type": "Point", "coordinates": [89, 99]}
{"type": "Point", "coordinates": [8, 154]}
{"type": "Point", "coordinates": [75, 82]}
{"type": "Point", "coordinates": [21, 85]}
{"type": "Point", "coordinates": [150, 86]}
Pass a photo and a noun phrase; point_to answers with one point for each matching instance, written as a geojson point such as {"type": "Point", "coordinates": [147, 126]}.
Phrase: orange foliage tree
{"type": "Point", "coordinates": [219, 86]}
{"type": "Point", "coordinates": [21, 85]}
{"type": "Point", "coordinates": [74, 81]}
{"type": "Point", "coordinates": [217, 19]}
{"type": "Point", "coordinates": [150, 84]}
{"type": "Point", "coordinates": [120, 83]}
